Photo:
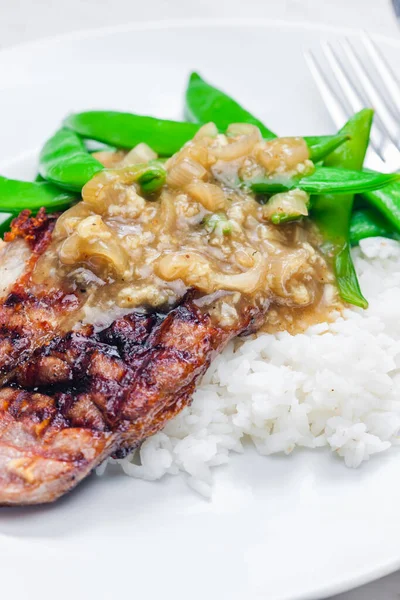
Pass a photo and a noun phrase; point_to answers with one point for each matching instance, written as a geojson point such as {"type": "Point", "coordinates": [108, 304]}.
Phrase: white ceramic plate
{"type": "Point", "coordinates": [277, 528]}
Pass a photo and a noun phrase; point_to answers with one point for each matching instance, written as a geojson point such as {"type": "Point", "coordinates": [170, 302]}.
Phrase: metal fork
{"type": "Point", "coordinates": [396, 7]}
{"type": "Point", "coordinates": [354, 80]}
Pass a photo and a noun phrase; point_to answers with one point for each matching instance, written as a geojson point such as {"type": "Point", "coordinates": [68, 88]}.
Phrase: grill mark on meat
{"type": "Point", "coordinates": [88, 395]}
{"type": "Point", "coordinates": [30, 315]}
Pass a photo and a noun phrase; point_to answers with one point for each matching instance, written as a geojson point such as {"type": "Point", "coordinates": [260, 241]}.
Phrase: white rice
{"type": "Point", "coordinates": [336, 385]}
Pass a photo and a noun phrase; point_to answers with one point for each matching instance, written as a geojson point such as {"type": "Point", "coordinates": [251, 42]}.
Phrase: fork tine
{"type": "Point", "coordinates": [383, 69]}
{"type": "Point", "coordinates": [350, 92]}
{"type": "Point", "coordinates": [386, 118]}
{"type": "Point", "coordinates": [378, 164]}
{"type": "Point", "coordinates": [337, 109]}
{"type": "Point", "coordinates": [342, 77]}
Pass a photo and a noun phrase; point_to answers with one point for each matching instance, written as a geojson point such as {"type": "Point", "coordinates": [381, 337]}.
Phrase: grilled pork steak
{"type": "Point", "coordinates": [85, 396]}
{"type": "Point", "coordinates": [71, 399]}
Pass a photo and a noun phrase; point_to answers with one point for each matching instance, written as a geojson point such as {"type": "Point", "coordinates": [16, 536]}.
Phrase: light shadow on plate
{"type": "Point", "coordinates": [112, 497]}
{"type": "Point", "coordinates": [305, 473]}
{"type": "Point", "coordinates": [51, 518]}
{"type": "Point", "coordinates": [115, 498]}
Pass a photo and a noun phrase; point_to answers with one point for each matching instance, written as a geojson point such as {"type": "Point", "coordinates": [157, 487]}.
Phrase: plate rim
{"type": "Point", "coordinates": [362, 577]}
{"type": "Point", "coordinates": [348, 584]}
{"type": "Point", "coordinates": [194, 23]}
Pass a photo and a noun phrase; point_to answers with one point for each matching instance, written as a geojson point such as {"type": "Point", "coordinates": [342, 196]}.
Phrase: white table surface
{"type": "Point", "coordinates": [24, 20]}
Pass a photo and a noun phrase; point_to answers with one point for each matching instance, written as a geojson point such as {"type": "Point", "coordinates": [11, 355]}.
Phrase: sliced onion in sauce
{"type": "Point", "coordinates": [70, 219]}
{"type": "Point", "coordinates": [94, 240]}
{"type": "Point", "coordinates": [209, 130]}
{"type": "Point", "coordinates": [237, 129]}
{"type": "Point", "coordinates": [238, 148]}
{"type": "Point", "coordinates": [211, 196]}
{"type": "Point", "coordinates": [167, 213]}
{"type": "Point", "coordinates": [284, 269]}
{"type": "Point", "coordinates": [286, 206]}
{"type": "Point", "coordinates": [142, 153]}
{"type": "Point", "coordinates": [181, 174]}
{"type": "Point", "coordinates": [282, 154]}
{"type": "Point", "coordinates": [196, 270]}
{"type": "Point", "coordinates": [247, 282]}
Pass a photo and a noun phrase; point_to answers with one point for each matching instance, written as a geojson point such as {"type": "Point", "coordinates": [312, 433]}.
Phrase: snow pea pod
{"type": "Point", "coordinates": [387, 201]}
{"type": "Point", "coordinates": [332, 213]}
{"type": "Point", "coordinates": [125, 130]}
{"type": "Point", "coordinates": [368, 222]}
{"type": "Point", "coordinates": [327, 180]}
{"type": "Point", "coordinates": [65, 161]}
{"type": "Point", "coordinates": [17, 195]}
{"type": "Point", "coordinates": [321, 146]}
{"type": "Point", "coordinates": [205, 103]}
